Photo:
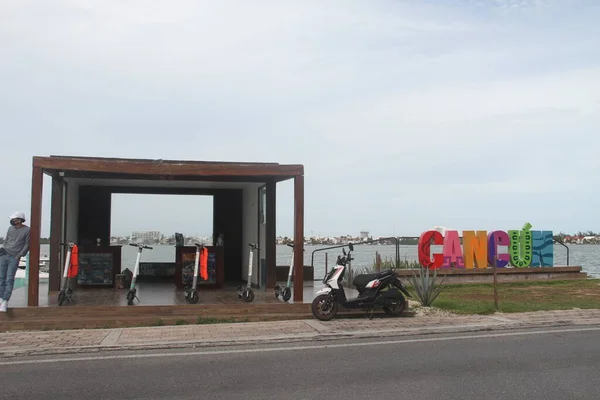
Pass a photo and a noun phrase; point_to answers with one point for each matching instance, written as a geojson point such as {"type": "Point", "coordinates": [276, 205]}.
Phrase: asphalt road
{"type": "Point", "coordinates": [543, 364]}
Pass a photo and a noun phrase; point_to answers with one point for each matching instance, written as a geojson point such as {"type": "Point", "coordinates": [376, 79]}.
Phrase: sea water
{"type": "Point", "coordinates": [586, 256]}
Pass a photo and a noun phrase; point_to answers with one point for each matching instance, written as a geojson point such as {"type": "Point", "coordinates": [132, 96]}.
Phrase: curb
{"type": "Point", "coordinates": [303, 337]}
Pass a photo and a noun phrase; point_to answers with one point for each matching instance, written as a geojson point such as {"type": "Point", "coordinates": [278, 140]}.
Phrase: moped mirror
{"type": "Point", "coordinates": [351, 246]}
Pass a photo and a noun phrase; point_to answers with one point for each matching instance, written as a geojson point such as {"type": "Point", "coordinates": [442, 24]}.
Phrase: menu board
{"type": "Point", "coordinates": [95, 269]}
{"type": "Point", "coordinates": [157, 269]}
{"type": "Point", "coordinates": [187, 270]}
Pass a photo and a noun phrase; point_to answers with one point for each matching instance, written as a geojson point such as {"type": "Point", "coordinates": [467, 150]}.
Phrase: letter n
{"type": "Point", "coordinates": [475, 249]}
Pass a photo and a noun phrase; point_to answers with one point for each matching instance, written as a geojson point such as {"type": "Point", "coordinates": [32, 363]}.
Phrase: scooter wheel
{"type": "Point", "coordinates": [287, 294]}
{"type": "Point", "coordinates": [130, 297]}
{"type": "Point", "coordinates": [322, 310]}
{"type": "Point", "coordinates": [193, 297]}
{"type": "Point", "coordinates": [61, 297]}
{"type": "Point", "coordinates": [248, 295]}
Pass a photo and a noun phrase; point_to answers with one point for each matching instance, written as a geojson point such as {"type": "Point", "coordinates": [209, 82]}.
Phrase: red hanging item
{"type": "Point", "coordinates": [74, 266]}
{"type": "Point", "coordinates": [204, 263]}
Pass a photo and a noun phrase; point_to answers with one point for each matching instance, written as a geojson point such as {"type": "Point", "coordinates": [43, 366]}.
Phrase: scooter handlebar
{"type": "Point", "coordinates": [253, 246]}
{"type": "Point", "coordinates": [199, 245]}
{"type": "Point", "coordinates": [140, 246]}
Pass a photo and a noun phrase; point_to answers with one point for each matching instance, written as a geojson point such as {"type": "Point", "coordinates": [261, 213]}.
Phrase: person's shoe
{"type": "Point", "coordinates": [3, 306]}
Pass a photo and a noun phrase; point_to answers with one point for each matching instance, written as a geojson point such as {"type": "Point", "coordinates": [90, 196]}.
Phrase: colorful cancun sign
{"type": "Point", "coordinates": [480, 249]}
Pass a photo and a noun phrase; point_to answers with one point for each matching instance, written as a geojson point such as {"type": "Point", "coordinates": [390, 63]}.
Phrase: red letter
{"type": "Point", "coordinates": [425, 249]}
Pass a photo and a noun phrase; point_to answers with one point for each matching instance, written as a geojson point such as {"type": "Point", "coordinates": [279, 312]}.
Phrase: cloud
{"type": "Point", "coordinates": [404, 114]}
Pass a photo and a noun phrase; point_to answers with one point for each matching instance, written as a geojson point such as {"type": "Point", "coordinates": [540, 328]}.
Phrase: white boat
{"type": "Point", "coordinates": [44, 267]}
{"type": "Point", "coordinates": [44, 262]}
{"type": "Point", "coordinates": [43, 273]}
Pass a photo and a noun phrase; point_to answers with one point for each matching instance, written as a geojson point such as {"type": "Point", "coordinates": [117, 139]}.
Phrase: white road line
{"type": "Point", "coordinates": [296, 348]}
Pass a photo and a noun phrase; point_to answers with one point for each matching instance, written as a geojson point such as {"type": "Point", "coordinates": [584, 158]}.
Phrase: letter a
{"type": "Point", "coordinates": [452, 251]}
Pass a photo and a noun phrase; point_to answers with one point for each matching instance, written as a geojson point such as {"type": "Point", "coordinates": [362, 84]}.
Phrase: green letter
{"type": "Point", "coordinates": [521, 247]}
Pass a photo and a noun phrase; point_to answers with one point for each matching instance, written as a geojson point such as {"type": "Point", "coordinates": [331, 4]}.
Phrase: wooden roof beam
{"type": "Point", "coordinates": [167, 168]}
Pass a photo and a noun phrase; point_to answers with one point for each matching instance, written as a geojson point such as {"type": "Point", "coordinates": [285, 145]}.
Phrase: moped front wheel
{"type": "Point", "coordinates": [324, 308]}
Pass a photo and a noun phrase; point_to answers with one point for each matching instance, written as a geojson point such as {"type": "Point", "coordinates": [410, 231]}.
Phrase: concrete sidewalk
{"type": "Point", "coordinates": [79, 341]}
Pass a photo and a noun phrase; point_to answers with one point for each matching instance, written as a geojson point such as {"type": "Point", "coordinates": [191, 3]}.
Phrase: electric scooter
{"type": "Point", "coordinates": [66, 292]}
{"type": "Point", "coordinates": [132, 293]}
{"type": "Point", "coordinates": [382, 289]}
{"type": "Point", "coordinates": [286, 292]}
{"type": "Point", "coordinates": [191, 292]}
{"type": "Point", "coordinates": [245, 292]}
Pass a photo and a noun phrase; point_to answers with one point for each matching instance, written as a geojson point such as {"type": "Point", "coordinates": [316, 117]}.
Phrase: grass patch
{"type": "Point", "coordinates": [520, 296]}
{"type": "Point", "coordinates": [210, 320]}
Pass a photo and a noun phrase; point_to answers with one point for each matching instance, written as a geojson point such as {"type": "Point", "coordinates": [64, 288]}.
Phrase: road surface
{"type": "Point", "coordinates": [530, 364]}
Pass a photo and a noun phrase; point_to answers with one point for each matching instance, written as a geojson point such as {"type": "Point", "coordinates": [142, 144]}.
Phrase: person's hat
{"type": "Point", "coordinates": [18, 214]}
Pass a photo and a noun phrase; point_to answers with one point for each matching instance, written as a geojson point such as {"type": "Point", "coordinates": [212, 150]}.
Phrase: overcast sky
{"type": "Point", "coordinates": [405, 114]}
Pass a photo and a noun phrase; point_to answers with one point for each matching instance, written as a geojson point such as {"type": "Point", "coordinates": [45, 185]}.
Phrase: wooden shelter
{"type": "Point", "coordinates": [82, 189]}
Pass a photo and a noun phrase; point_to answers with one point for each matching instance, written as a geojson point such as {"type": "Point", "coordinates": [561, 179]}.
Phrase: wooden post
{"type": "Point", "coordinates": [271, 234]}
{"type": "Point", "coordinates": [56, 233]}
{"type": "Point", "coordinates": [299, 239]}
{"type": "Point", "coordinates": [35, 226]}
{"type": "Point", "coordinates": [495, 284]}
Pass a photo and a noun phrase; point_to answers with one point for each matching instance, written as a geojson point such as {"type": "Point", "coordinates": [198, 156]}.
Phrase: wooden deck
{"type": "Point", "coordinates": [161, 303]}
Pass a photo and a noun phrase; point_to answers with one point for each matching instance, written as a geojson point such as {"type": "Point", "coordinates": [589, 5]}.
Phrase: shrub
{"type": "Point", "coordinates": [426, 287]}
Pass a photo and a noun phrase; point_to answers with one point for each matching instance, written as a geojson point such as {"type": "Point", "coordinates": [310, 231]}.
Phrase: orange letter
{"type": "Point", "coordinates": [475, 249]}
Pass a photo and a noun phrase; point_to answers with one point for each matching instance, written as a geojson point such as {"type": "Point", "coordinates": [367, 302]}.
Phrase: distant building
{"type": "Point", "coordinates": [441, 229]}
{"type": "Point", "coordinates": [364, 234]}
{"type": "Point", "coordinates": [145, 236]}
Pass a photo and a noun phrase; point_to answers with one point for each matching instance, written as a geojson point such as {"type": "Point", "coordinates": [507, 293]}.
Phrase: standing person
{"type": "Point", "coordinates": [16, 245]}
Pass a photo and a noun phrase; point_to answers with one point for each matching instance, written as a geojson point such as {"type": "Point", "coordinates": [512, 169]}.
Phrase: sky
{"type": "Point", "coordinates": [474, 115]}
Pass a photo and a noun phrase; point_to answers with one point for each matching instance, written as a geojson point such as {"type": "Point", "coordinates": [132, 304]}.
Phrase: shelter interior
{"type": "Point", "coordinates": [244, 204]}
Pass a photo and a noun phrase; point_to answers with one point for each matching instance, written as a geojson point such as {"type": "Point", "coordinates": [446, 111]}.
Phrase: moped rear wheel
{"type": "Point", "coordinates": [323, 308]}
{"type": "Point", "coordinates": [396, 309]}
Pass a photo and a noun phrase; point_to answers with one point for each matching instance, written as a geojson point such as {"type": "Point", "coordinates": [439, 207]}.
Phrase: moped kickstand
{"type": "Point", "coordinates": [370, 313]}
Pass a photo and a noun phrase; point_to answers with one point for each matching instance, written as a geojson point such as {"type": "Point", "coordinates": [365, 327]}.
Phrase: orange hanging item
{"type": "Point", "coordinates": [204, 263]}
{"type": "Point", "coordinates": [74, 267]}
